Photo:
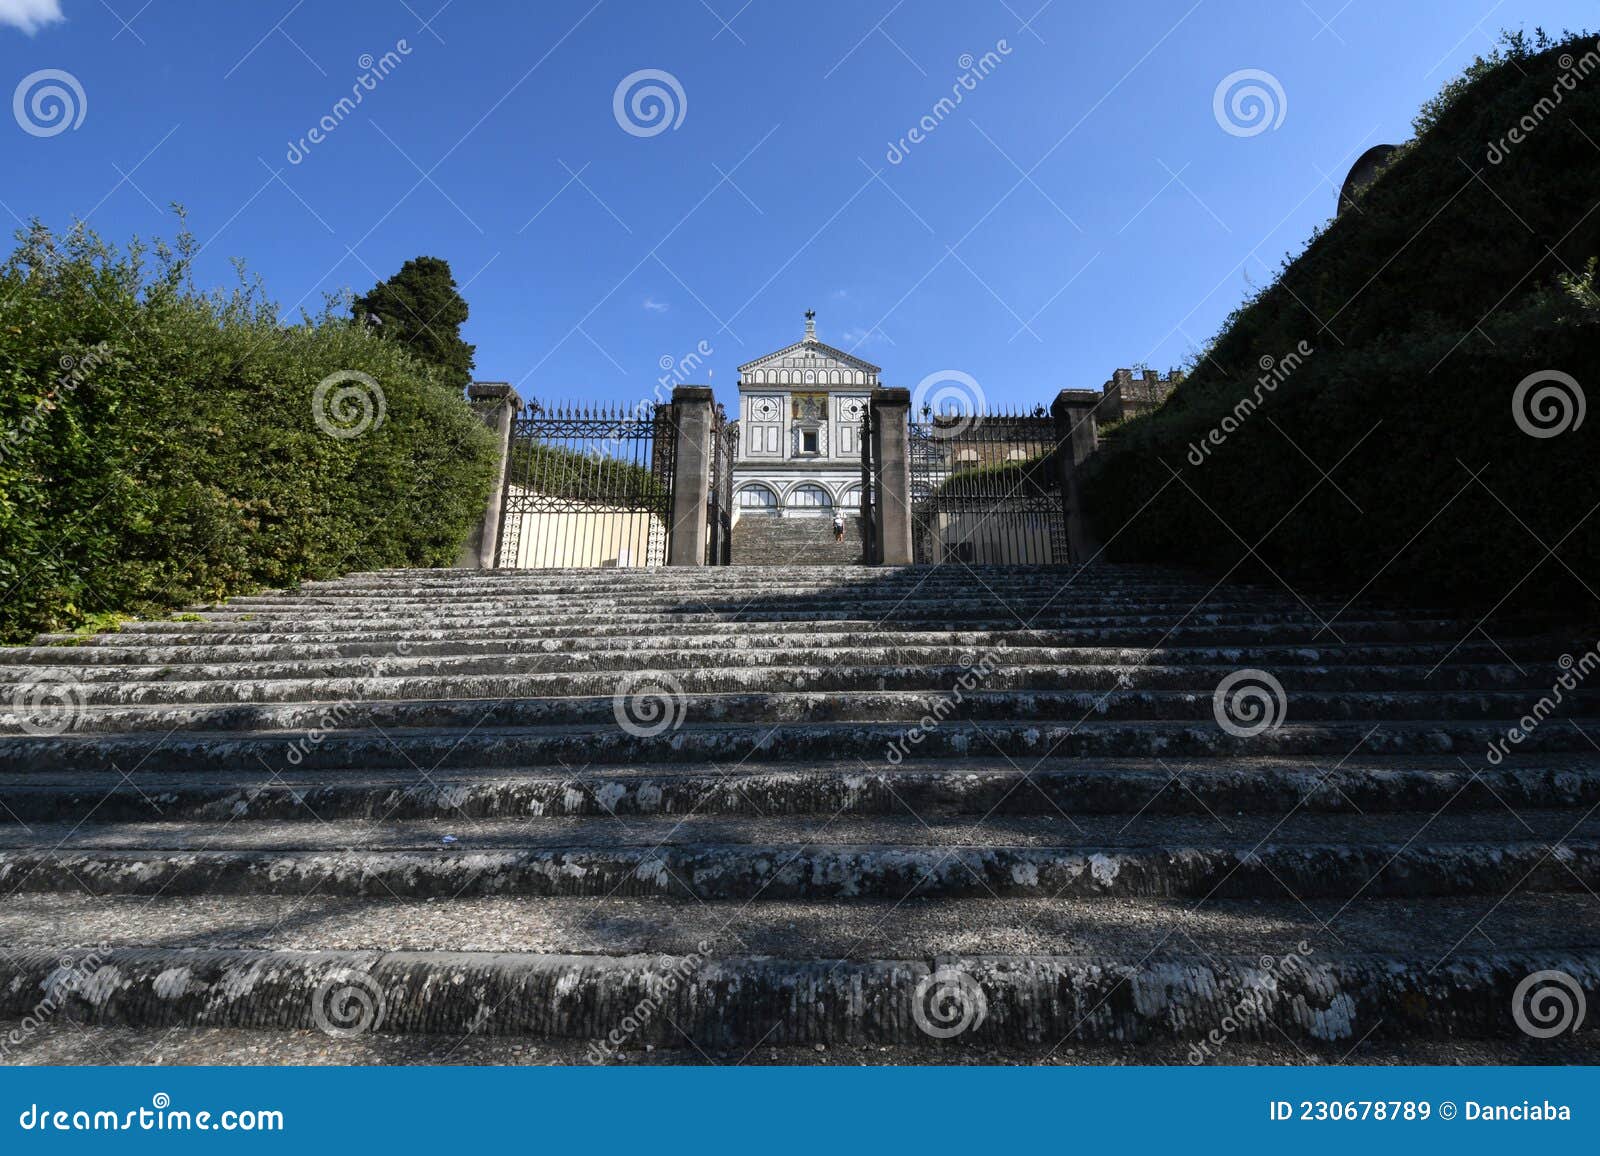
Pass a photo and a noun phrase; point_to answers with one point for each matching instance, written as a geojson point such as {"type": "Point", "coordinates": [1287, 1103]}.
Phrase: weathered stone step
{"type": "Point", "coordinates": [863, 929]}
{"type": "Point", "coordinates": [460, 837]}
{"type": "Point", "coordinates": [399, 640]}
{"type": "Point", "coordinates": [493, 650]}
{"type": "Point", "coordinates": [799, 597]}
{"type": "Point", "coordinates": [975, 787]}
{"type": "Point", "coordinates": [734, 673]}
{"type": "Point", "coordinates": [1247, 624]}
{"type": "Point", "coordinates": [1071, 667]}
{"type": "Point", "coordinates": [812, 870]}
{"type": "Point", "coordinates": [1103, 574]}
{"type": "Point", "coordinates": [745, 1000]}
{"type": "Point", "coordinates": [635, 700]}
{"type": "Point", "coordinates": [873, 743]}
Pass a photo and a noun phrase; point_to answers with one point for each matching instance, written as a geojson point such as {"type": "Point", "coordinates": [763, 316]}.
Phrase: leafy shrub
{"type": "Point", "coordinates": [1451, 282]}
{"type": "Point", "coordinates": [158, 444]}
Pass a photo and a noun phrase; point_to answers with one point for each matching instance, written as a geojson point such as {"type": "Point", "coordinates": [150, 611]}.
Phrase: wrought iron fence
{"type": "Point", "coordinates": [986, 489]}
{"type": "Point", "coordinates": [588, 487]}
{"type": "Point", "coordinates": [719, 499]}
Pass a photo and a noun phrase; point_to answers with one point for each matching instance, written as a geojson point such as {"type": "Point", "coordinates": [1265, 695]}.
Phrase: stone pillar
{"type": "Point", "coordinates": [691, 478]}
{"type": "Point", "coordinates": [1077, 438]}
{"type": "Point", "coordinates": [891, 476]}
{"type": "Point", "coordinates": [497, 403]}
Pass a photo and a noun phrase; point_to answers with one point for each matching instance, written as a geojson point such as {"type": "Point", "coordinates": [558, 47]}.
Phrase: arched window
{"type": "Point", "coordinates": [809, 497]}
{"type": "Point", "coordinates": [851, 499]}
{"type": "Point", "coordinates": [835, 377]}
{"type": "Point", "coordinates": [757, 498]}
{"type": "Point", "coordinates": [811, 377]}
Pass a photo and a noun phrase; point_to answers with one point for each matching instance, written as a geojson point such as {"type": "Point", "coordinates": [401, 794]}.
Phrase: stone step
{"type": "Point", "coordinates": [491, 651]}
{"type": "Point", "coordinates": [169, 750]}
{"type": "Point", "coordinates": [579, 616]}
{"type": "Point", "coordinates": [815, 871]}
{"type": "Point", "coordinates": [1065, 631]}
{"type": "Point", "coordinates": [420, 781]}
{"type": "Point", "coordinates": [1071, 595]}
{"type": "Point", "coordinates": [604, 673]}
{"type": "Point", "coordinates": [635, 701]}
{"type": "Point", "coordinates": [759, 540]}
{"type": "Point", "coordinates": [748, 1000]}
{"type": "Point", "coordinates": [460, 838]}
{"type": "Point", "coordinates": [1428, 930]}
{"type": "Point", "coordinates": [974, 787]}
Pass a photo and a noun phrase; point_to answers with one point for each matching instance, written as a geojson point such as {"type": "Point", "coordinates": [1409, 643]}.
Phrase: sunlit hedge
{"type": "Point", "coordinates": [160, 445]}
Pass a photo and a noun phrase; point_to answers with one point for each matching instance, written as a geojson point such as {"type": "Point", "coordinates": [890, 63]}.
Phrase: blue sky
{"type": "Point", "coordinates": [1082, 208]}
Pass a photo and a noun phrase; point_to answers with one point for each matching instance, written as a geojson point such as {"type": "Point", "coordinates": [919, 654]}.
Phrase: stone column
{"type": "Point", "coordinates": [891, 476]}
{"type": "Point", "coordinates": [1077, 438]}
{"type": "Point", "coordinates": [691, 478]}
{"type": "Point", "coordinates": [497, 403]}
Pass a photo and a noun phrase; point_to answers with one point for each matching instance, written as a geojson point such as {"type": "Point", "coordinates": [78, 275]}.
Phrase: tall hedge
{"type": "Point", "coordinates": [1456, 278]}
{"type": "Point", "coordinates": [160, 445]}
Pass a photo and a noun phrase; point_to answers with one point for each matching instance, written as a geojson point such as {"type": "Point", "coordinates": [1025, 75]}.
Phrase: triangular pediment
{"type": "Point", "coordinates": [809, 355]}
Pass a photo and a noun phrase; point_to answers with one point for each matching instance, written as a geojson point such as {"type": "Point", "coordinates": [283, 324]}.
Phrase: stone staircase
{"type": "Point", "coordinates": [767, 540]}
{"type": "Point", "coordinates": [937, 809]}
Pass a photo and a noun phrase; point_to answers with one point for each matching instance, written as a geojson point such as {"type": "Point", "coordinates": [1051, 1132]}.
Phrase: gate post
{"type": "Point", "coordinates": [1077, 438]}
{"type": "Point", "coordinates": [691, 475]}
{"type": "Point", "coordinates": [891, 476]}
{"type": "Point", "coordinates": [497, 404]}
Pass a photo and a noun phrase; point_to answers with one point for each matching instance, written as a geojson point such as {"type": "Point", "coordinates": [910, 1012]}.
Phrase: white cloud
{"type": "Point", "coordinates": [854, 338]}
{"type": "Point", "coordinates": [30, 15]}
{"type": "Point", "coordinates": [655, 306]}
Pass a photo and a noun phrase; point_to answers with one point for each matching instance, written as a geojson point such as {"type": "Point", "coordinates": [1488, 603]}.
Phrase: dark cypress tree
{"type": "Point", "coordinates": [421, 308]}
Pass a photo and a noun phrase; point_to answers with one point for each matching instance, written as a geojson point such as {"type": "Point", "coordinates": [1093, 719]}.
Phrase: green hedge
{"type": "Point", "coordinates": [1439, 301]}
{"type": "Point", "coordinates": [158, 445]}
{"type": "Point", "coordinates": [582, 477]}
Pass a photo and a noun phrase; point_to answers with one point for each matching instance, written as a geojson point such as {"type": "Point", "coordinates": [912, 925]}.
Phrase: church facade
{"type": "Point", "coordinates": [799, 437]}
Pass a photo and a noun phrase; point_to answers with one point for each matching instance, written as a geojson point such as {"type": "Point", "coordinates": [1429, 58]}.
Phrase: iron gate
{"type": "Point", "coordinates": [588, 487]}
{"type": "Point", "coordinates": [986, 489]}
{"type": "Point", "coordinates": [719, 496]}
